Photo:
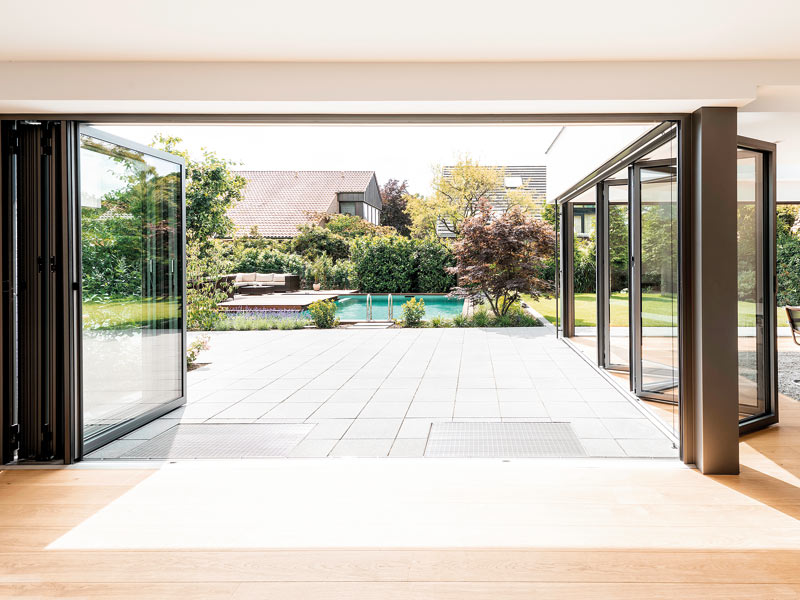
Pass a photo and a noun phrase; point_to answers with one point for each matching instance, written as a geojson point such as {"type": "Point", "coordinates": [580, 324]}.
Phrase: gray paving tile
{"type": "Point", "coordinates": [384, 410]}
{"type": "Point", "coordinates": [269, 396]}
{"type": "Point", "coordinates": [393, 395]}
{"type": "Point", "coordinates": [313, 448]}
{"type": "Point", "coordinates": [339, 410]}
{"type": "Point", "coordinates": [602, 448]}
{"type": "Point", "coordinates": [431, 409]}
{"type": "Point", "coordinates": [589, 428]}
{"type": "Point", "coordinates": [308, 395]}
{"type": "Point", "coordinates": [648, 448]}
{"type": "Point", "coordinates": [408, 448]}
{"type": "Point", "coordinates": [373, 429]}
{"type": "Point", "coordinates": [633, 429]}
{"type": "Point", "coordinates": [293, 410]}
{"type": "Point", "coordinates": [416, 428]}
{"type": "Point", "coordinates": [476, 409]}
{"type": "Point", "coordinates": [523, 409]}
{"type": "Point", "coordinates": [435, 395]}
{"type": "Point", "coordinates": [362, 448]}
{"type": "Point", "coordinates": [252, 410]}
{"type": "Point", "coordinates": [226, 396]}
{"type": "Point", "coordinates": [561, 410]}
{"type": "Point", "coordinates": [615, 410]}
{"type": "Point", "coordinates": [476, 395]}
{"type": "Point", "coordinates": [352, 395]}
{"type": "Point", "coordinates": [518, 395]}
{"type": "Point", "coordinates": [328, 429]}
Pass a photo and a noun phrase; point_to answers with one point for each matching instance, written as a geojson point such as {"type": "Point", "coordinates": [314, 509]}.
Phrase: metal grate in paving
{"type": "Point", "coordinates": [503, 440]}
{"type": "Point", "coordinates": [223, 440]}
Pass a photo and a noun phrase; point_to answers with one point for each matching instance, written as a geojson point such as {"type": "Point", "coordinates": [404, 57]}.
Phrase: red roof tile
{"type": "Point", "coordinates": [278, 201]}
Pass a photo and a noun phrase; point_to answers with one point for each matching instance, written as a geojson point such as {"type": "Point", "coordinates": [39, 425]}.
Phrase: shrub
{"type": "Point", "coordinates": [194, 349]}
{"type": "Point", "coordinates": [263, 321]}
{"type": "Point", "coordinates": [480, 319]}
{"type": "Point", "coordinates": [323, 313]}
{"type": "Point", "coordinates": [439, 321]}
{"type": "Point", "coordinates": [253, 260]}
{"type": "Point", "coordinates": [431, 260]}
{"type": "Point", "coordinates": [383, 264]}
{"type": "Point", "coordinates": [342, 276]}
{"type": "Point", "coordinates": [460, 321]}
{"type": "Point", "coordinates": [314, 241]}
{"type": "Point", "coordinates": [413, 311]}
{"type": "Point", "coordinates": [320, 270]}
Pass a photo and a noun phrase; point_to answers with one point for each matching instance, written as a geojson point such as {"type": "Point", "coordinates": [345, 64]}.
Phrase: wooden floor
{"type": "Point", "coordinates": [345, 529]}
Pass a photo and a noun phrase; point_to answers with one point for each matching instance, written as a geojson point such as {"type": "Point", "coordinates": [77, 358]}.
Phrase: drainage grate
{"type": "Point", "coordinates": [223, 440]}
{"type": "Point", "coordinates": [503, 440]}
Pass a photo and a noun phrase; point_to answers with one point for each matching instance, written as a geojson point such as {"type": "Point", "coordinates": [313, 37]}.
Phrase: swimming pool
{"type": "Point", "coordinates": [354, 307]}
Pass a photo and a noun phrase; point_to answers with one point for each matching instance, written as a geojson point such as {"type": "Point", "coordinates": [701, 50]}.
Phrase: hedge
{"type": "Point", "coordinates": [393, 264]}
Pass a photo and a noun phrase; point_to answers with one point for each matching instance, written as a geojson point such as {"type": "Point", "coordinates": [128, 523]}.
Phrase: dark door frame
{"type": "Point", "coordinates": [768, 230]}
{"type": "Point", "coordinates": [84, 447]}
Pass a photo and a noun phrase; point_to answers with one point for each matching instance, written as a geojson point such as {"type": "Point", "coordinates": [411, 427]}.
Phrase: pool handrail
{"type": "Point", "coordinates": [369, 307]}
{"type": "Point", "coordinates": [390, 308]}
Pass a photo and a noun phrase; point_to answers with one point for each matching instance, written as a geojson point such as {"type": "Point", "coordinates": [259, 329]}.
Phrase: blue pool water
{"type": "Point", "coordinates": [354, 308]}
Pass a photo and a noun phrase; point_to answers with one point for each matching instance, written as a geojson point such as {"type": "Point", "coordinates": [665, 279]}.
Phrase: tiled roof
{"type": "Point", "coordinates": [278, 201]}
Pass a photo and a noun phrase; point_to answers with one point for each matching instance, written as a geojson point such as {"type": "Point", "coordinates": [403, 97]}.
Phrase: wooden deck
{"type": "Point", "coordinates": [280, 301]}
{"type": "Point", "coordinates": [623, 530]}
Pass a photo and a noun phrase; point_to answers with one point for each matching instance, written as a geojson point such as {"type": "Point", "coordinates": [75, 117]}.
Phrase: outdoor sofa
{"type": "Point", "coordinates": [272, 282]}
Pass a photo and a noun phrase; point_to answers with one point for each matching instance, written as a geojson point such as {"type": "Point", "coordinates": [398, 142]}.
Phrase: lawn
{"type": "Point", "coordinates": [128, 313]}
{"type": "Point", "coordinates": [657, 310]}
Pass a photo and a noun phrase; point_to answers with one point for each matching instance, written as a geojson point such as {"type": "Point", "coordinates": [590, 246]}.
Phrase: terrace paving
{"type": "Point", "coordinates": [375, 393]}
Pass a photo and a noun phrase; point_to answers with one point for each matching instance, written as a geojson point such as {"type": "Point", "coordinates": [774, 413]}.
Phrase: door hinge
{"type": "Point", "coordinates": [13, 437]}
{"type": "Point", "coordinates": [53, 266]}
{"type": "Point", "coordinates": [40, 264]}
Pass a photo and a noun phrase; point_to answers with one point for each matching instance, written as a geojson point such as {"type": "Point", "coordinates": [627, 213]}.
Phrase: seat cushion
{"type": "Point", "coordinates": [278, 278]}
{"type": "Point", "coordinates": [264, 277]}
{"type": "Point", "coordinates": [247, 277]}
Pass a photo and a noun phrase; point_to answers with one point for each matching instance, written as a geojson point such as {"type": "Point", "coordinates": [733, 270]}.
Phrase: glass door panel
{"type": "Point", "coordinates": [584, 273]}
{"type": "Point", "coordinates": [617, 275]}
{"type": "Point", "coordinates": [755, 296]}
{"type": "Point", "coordinates": [657, 274]}
{"type": "Point", "coordinates": [131, 226]}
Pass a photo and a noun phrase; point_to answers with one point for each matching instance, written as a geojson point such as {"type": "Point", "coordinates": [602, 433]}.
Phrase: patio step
{"type": "Point", "coordinates": [371, 325]}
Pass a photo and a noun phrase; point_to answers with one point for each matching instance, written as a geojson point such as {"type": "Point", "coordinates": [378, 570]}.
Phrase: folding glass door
{"type": "Point", "coordinates": [614, 274]}
{"type": "Point", "coordinates": [131, 225]}
{"type": "Point", "coordinates": [755, 212]}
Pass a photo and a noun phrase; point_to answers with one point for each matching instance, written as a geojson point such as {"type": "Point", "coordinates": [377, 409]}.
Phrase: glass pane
{"type": "Point", "coordinates": [347, 208]}
{"type": "Point", "coordinates": [749, 213]}
{"type": "Point", "coordinates": [659, 283]}
{"type": "Point", "coordinates": [584, 279]}
{"type": "Point", "coordinates": [132, 283]}
{"type": "Point", "coordinates": [618, 274]}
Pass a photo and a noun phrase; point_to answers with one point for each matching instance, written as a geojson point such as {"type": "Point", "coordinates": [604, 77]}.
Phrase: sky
{"type": "Point", "coordinates": [403, 152]}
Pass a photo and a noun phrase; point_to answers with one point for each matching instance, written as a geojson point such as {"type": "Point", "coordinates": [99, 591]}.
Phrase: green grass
{"type": "Point", "coordinates": [128, 313]}
{"type": "Point", "coordinates": [657, 310]}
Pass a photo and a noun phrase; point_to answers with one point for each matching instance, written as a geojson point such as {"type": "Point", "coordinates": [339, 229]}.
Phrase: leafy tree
{"type": "Point", "coordinates": [500, 257]}
{"type": "Point", "coordinates": [457, 194]}
{"type": "Point", "coordinates": [394, 196]}
{"type": "Point", "coordinates": [314, 241]}
{"type": "Point", "coordinates": [348, 226]}
{"type": "Point", "coordinates": [211, 189]}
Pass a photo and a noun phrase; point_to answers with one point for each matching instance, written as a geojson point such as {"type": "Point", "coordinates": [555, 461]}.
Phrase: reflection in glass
{"type": "Point", "coordinates": [659, 285]}
{"type": "Point", "coordinates": [131, 283]}
{"type": "Point", "coordinates": [749, 213]}
{"type": "Point", "coordinates": [618, 274]}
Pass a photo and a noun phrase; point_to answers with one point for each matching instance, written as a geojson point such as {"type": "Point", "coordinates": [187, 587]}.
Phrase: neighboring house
{"type": "Point", "coordinates": [528, 178]}
{"type": "Point", "coordinates": [274, 203]}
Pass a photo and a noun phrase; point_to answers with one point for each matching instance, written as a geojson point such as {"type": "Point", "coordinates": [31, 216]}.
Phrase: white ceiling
{"type": "Point", "coordinates": [413, 30]}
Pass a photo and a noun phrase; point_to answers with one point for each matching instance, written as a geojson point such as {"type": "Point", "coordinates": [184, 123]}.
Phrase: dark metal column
{"type": "Point", "coordinates": [713, 336]}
